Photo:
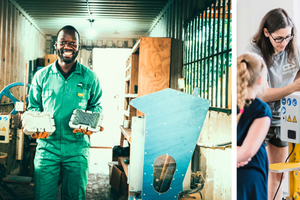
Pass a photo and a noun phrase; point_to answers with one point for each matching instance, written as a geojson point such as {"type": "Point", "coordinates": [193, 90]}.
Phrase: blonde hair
{"type": "Point", "coordinates": [250, 67]}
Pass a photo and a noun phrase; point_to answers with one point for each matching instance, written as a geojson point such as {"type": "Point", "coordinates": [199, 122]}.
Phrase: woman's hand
{"type": "Point", "coordinates": [241, 164]}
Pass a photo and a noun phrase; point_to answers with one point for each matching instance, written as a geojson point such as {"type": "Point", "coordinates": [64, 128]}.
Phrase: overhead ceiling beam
{"type": "Point", "coordinates": [25, 4]}
{"type": "Point", "coordinates": [96, 15]}
{"type": "Point", "coordinates": [88, 7]}
{"type": "Point", "coordinates": [27, 17]}
{"type": "Point", "coordinates": [159, 16]}
{"type": "Point", "coordinates": [94, 10]}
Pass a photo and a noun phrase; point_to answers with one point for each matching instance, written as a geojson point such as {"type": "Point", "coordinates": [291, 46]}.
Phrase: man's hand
{"type": "Point", "coordinates": [40, 135]}
{"type": "Point", "coordinates": [85, 131]}
{"type": "Point", "coordinates": [82, 130]}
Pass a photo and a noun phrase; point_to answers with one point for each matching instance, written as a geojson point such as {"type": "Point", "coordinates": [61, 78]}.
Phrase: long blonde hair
{"type": "Point", "coordinates": [250, 67]}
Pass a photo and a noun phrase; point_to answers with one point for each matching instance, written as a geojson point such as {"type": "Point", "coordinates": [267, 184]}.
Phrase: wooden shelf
{"type": "Point", "coordinates": [125, 166]}
{"type": "Point", "coordinates": [126, 113]}
{"type": "Point", "coordinates": [126, 132]}
{"type": "Point", "coordinates": [128, 67]}
{"type": "Point", "coordinates": [127, 78]}
{"type": "Point", "coordinates": [131, 95]}
{"type": "Point", "coordinates": [136, 47]}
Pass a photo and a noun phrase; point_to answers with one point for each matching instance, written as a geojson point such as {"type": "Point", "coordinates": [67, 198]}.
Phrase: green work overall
{"type": "Point", "coordinates": [63, 153]}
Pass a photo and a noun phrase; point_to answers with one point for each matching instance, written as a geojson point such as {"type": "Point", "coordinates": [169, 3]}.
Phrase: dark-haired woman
{"type": "Point", "coordinates": [275, 41]}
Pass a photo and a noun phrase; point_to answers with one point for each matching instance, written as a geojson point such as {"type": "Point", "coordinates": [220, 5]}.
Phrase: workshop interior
{"type": "Point", "coordinates": [165, 71]}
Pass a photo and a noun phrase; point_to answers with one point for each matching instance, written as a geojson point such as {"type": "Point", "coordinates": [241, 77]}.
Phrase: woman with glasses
{"type": "Point", "coordinates": [275, 42]}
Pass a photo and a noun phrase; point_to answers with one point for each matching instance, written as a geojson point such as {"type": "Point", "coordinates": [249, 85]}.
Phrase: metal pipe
{"type": "Point", "coordinates": [204, 66]}
{"type": "Point", "coordinates": [189, 58]}
{"type": "Point", "coordinates": [198, 51]}
{"type": "Point", "coordinates": [195, 53]}
{"type": "Point", "coordinates": [218, 50]}
{"type": "Point", "coordinates": [200, 56]}
{"type": "Point", "coordinates": [19, 144]}
{"type": "Point", "coordinates": [163, 172]}
{"type": "Point", "coordinates": [213, 58]}
{"type": "Point", "coordinates": [186, 55]}
{"type": "Point", "coordinates": [25, 87]}
{"type": "Point", "coordinates": [192, 58]}
{"type": "Point", "coordinates": [228, 45]}
{"type": "Point", "coordinates": [222, 46]}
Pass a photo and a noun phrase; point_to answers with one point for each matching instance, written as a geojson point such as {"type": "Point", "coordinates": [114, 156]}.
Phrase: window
{"type": "Point", "coordinates": [164, 169]}
{"type": "Point", "coordinates": [208, 55]}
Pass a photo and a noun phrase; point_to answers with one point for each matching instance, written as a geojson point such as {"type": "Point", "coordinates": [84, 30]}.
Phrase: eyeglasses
{"type": "Point", "coordinates": [279, 40]}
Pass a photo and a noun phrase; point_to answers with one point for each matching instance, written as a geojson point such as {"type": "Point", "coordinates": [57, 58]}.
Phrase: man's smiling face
{"type": "Point", "coordinates": [67, 45]}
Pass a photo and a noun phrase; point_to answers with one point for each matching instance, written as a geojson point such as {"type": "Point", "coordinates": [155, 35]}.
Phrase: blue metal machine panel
{"type": "Point", "coordinates": [6, 92]}
{"type": "Point", "coordinates": [173, 121]}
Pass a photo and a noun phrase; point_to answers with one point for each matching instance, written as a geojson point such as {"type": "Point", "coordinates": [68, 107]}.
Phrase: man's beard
{"type": "Point", "coordinates": [67, 60]}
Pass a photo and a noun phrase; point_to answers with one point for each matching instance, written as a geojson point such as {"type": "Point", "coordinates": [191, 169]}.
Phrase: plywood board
{"type": "Point", "coordinates": [154, 65]}
{"type": "Point", "coordinates": [173, 121]}
{"type": "Point", "coordinates": [134, 72]}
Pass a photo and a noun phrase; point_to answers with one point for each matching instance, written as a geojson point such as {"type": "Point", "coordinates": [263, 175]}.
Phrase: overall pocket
{"type": "Point", "coordinates": [82, 98]}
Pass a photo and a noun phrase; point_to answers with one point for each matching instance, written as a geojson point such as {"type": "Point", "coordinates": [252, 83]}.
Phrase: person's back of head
{"type": "Point", "coordinates": [250, 67]}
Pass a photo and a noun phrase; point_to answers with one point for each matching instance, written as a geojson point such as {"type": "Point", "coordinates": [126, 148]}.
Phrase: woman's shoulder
{"type": "Point", "coordinates": [253, 48]}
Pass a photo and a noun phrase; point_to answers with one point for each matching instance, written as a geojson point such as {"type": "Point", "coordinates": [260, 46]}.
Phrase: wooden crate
{"type": "Point", "coordinates": [50, 58]}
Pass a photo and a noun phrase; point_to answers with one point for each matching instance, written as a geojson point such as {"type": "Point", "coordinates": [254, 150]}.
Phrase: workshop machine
{"type": "Point", "coordinates": [290, 132]}
{"type": "Point", "coordinates": [163, 142]}
{"type": "Point", "coordinates": [7, 124]}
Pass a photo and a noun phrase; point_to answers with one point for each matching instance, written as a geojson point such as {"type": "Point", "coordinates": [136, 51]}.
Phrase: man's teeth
{"type": "Point", "coordinates": [68, 53]}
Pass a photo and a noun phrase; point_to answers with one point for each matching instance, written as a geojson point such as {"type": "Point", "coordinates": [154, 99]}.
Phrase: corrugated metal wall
{"type": "Point", "coordinates": [214, 164]}
{"type": "Point", "coordinates": [170, 23]}
{"type": "Point", "coordinates": [20, 42]}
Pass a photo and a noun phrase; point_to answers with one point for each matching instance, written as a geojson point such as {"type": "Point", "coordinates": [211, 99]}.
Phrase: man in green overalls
{"type": "Point", "coordinates": [60, 88]}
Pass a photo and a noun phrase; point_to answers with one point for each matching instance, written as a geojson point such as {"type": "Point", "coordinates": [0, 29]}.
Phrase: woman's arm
{"type": "Point", "coordinates": [274, 94]}
{"type": "Point", "coordinates": [297, 75]}
{"type": "Point", "coordinates": [255, 137]}
{"type": "Point", "coordinates": [243, 163]}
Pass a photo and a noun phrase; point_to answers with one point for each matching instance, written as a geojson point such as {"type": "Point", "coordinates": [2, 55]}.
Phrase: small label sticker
{"type": "Point", "coordinates": [0, 118]}
{"type": "Point", "coordinates": [289, 119]}
{"type": "Point", "coordinates": [3, 129]}
{"type": "Point", "coordinates": [283, 110]}
{"type": "Point", "coordinates": [289, 101]}
{"type": "Point", "coordinates": [294, 102]}
{"type": "Point", "coordinates": [5, 118]}
{"type": "Point", "coordinates": [295, 120]}
{"type": "Point", "coordinates": [80, 94]}
{"type": "Point", "coordinates": [283, 101]}
{"type": "Point", "coordinates": [79, 85]}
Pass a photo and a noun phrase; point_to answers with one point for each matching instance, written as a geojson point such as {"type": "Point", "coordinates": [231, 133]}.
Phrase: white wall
{"type": "Point", "coordinates": [216, 164]}
{"type": "Point", "coordinates": [250, 13]}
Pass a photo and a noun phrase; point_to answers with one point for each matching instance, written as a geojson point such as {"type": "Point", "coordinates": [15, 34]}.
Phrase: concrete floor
{"type": "Point", "coordinates": [98, 186]}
